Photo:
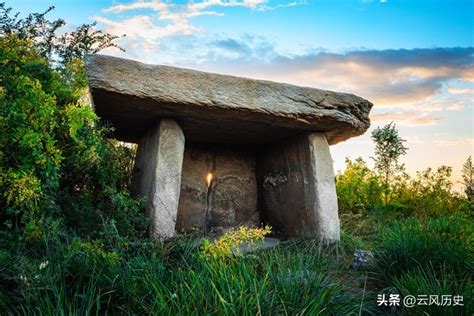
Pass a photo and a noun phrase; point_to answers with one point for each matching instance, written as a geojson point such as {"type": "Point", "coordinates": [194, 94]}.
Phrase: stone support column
{"type": "Point", "coordinates": [297, 188]}
{"type": "Point", "coordinates": [157, 175]}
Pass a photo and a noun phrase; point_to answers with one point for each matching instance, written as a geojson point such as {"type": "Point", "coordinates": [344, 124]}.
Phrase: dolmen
{"type": "Point", "coordinates": [217, 151]}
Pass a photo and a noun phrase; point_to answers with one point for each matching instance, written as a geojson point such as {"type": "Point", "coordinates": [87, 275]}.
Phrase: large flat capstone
{"type": "Point", "coordinates": [217, 108]}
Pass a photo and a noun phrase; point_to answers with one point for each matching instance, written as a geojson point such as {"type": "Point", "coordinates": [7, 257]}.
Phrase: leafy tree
{"type": "Point", "coordinates": [48, 43]}
{"type": "Point", "coordinates": [430, 192]}
{"type": "Point", "coordinates": [55, 159]}
{"type": "Point", "coordinates": [388, 149]}
{"type": "Point", "coordinates": [467, 177]}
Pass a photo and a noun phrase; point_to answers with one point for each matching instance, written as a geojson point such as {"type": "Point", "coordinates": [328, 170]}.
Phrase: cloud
{"type": "Point", "coordinates": [142, 27]}
{"type": "Point", "coordinates": [181, 13]}
{"type": "Point", "coordinates": [424, 119]}
{"type": "Point", "coordinates": [390, 78]}
{"type": "Point", "coordinates": [258, 5]}
{"type": "Point", "coordinates": [406, 83]}
{"type": "Point", "coordinates": [147, 23]}
{"type": "Point", "coordinates": [245, 50]}
{"type": "Point", "coordinates": [449, 104]}
{"type": "Point", "coordinates": [462, 142]}
{"type": "Point", "coordinates": [142, 36]}
{"type": "Point", "coordinates": [409, 117]}
{"type": "Point", "coordinates": [455, 90]}
{"type": "Point", "coordinates": [153, 5]}
{"type": "Point", "coordinates": [371, 1]}
{"type": "Point", "coordinates": [233, 46]}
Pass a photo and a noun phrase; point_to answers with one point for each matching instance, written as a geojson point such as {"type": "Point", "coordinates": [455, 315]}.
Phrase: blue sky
{"type": "Point", "coordinates": [332, 24]}
{"type": "Point", "coordinates": [413, 59]}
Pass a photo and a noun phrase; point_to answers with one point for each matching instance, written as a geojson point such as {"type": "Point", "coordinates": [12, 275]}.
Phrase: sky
{"type": "Point", "coordinates": [413, 59]}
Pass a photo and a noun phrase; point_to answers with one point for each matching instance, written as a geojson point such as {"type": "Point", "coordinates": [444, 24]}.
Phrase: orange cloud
{"type": "Point", "coordinates": [390, 78]}
{"type": "Point", "coordinates": [409, 117]}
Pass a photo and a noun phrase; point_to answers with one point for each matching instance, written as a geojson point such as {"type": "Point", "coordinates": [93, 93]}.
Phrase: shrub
{"type": "Point", "coordinates": [358, 188]}
{"type": "Point", "coordinates": [228, 244]}
{"type": "Point", "coordinates": [429, 193]}
{"type": "Point", "coordinates": [55, 159]}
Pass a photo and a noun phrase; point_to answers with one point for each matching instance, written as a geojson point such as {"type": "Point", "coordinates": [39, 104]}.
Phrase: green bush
{"type": "Point", "coordinates": [72, 238]}
{"type": "Point", "coordinates": [429, 193]}
{"type": "Point", "coordinates": [55, 160]}
{"type": "Point", "coordinates": [358, 188]}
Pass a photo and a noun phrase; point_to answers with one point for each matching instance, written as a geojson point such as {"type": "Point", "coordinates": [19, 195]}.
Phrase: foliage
{"type": "Point", "coordinates": [388, 149]}
{"type": "Point", "coordinates": [433, 257]}
{"type": "Point", "coordinates": [421, 281]}
{"type": "Point", "coordinates": [55, 160]}
{"type": "Point", "coordinates": [170, 278]}
{"type": "Point", "coordinates": [29, 155]}
{"type": "Point", "coordinates": [63, 48]}
{"type": "Point", "coordinates": [437, 244]}
{"type": "Point", "coordinates": [72, 239]}
{"type": "Point", "coordinates": [429, 193]}
{"type": "Point", "coordinates": [228, 244]}
{"type": "Point", "coordinates": [358, 188]}
{"type": "Point", "coordinates": [422, 238]}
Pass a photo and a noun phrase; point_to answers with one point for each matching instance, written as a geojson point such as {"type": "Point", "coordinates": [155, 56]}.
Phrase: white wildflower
{"type": "Point", "coordinates": [43, 264]}
{"type": "Point", "coordinates": [24, 279]}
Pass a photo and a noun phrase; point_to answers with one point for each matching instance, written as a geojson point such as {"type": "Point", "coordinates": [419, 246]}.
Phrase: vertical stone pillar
{"type": "Point", "coordinates": [297, 188]}
{"type": "Point", "coordinates": [157, 175]}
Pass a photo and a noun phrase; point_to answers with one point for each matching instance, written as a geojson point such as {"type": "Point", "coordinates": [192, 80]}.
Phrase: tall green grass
{"type": "Point", "coordinates": [430, 257]}
{"type": "Point", "coordinates": [114, 275]}
{"type": "Point", "coordinates": [172, 278]}
{"type": "Point", "coordinates": [432, 281]}
{"type": "Point", "coordinates": [437, 243]}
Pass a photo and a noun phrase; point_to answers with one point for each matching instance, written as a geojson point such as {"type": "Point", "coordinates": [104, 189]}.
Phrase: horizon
{"type": "Point", "coordinates": [413, 59]}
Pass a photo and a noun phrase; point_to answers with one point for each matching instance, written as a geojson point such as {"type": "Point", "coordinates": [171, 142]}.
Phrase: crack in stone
{"type": "Point", "coordinates": [165, 207]}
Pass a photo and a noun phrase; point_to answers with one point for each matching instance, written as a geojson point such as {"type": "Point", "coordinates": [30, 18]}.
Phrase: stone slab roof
{"type": "Point", "coordinates": [217, 108]}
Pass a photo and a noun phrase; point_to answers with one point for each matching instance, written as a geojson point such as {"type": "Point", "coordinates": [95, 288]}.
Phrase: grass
{"type": "Point", "coordinates": [435, 243]}
{"type": "Point", "coordinates": [119, 276]}
{"type": "Point", "coordinates": [438, 282]}
{"type": "Point", "coordinates": [430, 257]}
{"type": "Point", "coordinates": [174, 278]}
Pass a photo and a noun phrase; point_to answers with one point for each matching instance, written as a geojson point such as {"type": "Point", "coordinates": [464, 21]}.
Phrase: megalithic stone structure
{"type": "Point", "coordinates": [298, 190]}
{"type": "Point", "coordinates": [157, 175]}
{"type": "Point", "coordinates": [217, 151]}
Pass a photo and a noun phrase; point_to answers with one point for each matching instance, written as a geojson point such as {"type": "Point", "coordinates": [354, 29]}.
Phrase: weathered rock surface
{"type": "Point", "coordinates": [362, 259]}
{"type": "Point", "coordinates": [231, 199]}
{"type": "Point", "coordinates": [297, 189]}
{"type": "Point", "coordinates": [217, 108]}
{"type": "Point", "coordinates": [157, 175]}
